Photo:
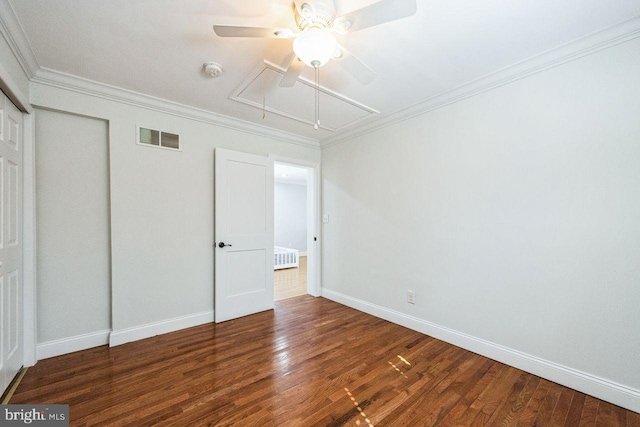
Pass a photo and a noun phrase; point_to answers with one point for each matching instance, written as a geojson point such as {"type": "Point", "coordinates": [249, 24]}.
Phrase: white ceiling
{"type": "Point", "coordinates": [158, 47]}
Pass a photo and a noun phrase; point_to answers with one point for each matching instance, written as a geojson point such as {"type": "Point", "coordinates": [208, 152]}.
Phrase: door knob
{"type": "Point", "coordinates": [222, 245]}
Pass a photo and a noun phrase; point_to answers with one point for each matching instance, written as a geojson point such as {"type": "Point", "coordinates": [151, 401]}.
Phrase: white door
{"type": "Point", "coordinates": [243, 234]}
{"type": "Point", "coordinates": [10, 241]}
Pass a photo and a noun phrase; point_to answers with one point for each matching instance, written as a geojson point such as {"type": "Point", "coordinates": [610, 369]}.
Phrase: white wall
{"type": "Point", "coordinates": [73, 251]}
{"type": "Point", "coordinates": [161, 209]}
{"type": "Point", "coordinates": [290, 214]}
{"type": "Point", "coordinates": [514, 215]}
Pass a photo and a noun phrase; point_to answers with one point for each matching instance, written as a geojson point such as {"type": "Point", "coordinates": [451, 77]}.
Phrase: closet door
{"type": "Point", "coordinates": [11, 341]}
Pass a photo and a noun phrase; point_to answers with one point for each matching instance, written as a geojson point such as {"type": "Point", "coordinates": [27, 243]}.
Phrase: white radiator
{"type": "Point", "coordinates": [284, 258]}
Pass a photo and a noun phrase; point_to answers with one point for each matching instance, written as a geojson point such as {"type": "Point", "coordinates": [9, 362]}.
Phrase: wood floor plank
{"type": "Point", "coordinates": [575, 410]}
{"type": "Point", "coordinates": [435, 395]}
{"type": "Point", "coordinates": [548, 404]}
{"type": "Point", "coordinates": [620, 416]}
{"type": "Point", "coordinates": [605, 415]}
{"type": "Point", "coordinates": [290, 282]}
{"type": "Point", "coordinates": [310, 362]}
{"type": "Point", "coordinates": [449, 392]}
{"type": "Point", "coordinates": [589, 412]}
{"type": "Point", "coordinates": [463, 390]}
{"type": "Point", "coordinates": [561, 411]}
{"type": "Point", "coordinates": [486, 389]}
{"type": "Point", "coordinates": [407, 412]}
{"type": "Point", "coordinates": [506, 402]}
{"type": "Point", "coordinates": [633, 419]}
{"type": "Point", "coordinates": [530, 413]}
{"type": "Point", "coordinates": [496, 399]}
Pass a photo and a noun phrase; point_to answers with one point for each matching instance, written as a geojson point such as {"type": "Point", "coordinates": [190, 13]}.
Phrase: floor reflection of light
{"type": "Point", "coordinates": [404, 360]}
{"type": "Point", "coordinates": [280, 343]}
{"type": "Point", "coordinates": [398, 369]}
{"type": "Point", "coordinates": [353, 399]}
{"type": "Point", "coordinates": [357, 405]}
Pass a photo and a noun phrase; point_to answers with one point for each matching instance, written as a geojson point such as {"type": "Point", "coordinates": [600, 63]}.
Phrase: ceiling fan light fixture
{"type": "Point", "coordinates": [315, 47]}
{"type": "Point", "coordinates": [342, 25]}
{"type": "Point", "coordinates": [306, 10]}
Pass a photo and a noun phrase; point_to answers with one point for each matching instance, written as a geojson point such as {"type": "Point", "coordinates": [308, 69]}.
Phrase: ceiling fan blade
{"type": "Point", "coordinates": [355, 67]}
{"type": "Point", "coordinates": [265, 32]}
{"type": "Point", "coordinates": [375, 14]}
{"type": "Point", "coordinates": [293, 72]}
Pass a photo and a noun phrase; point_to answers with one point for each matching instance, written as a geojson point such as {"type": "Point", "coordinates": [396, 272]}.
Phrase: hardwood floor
{"type": "Point", "coordinates": [291, 282]}
{"type": "Point", "coordinates": [311, 362]}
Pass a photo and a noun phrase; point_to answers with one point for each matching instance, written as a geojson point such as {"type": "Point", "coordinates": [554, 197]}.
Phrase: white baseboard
{"type": "Point", "coordinates": [62, 346]}
{"type": "Point", "coordinates": [158, 328]}
{"type": "Point", "coordinates": [601, 388]}
{"type": "Point", "coordinates": [304, 253]}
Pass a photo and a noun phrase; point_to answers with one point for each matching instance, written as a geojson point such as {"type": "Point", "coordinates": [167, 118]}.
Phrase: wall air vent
{"type": "Point", "coordinates": [156, 138]}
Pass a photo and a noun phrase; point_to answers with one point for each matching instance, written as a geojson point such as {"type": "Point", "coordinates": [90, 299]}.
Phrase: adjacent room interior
{"type": "Point", "coordinates": [291, 230]}
{"type": "Point", "coordinates": [321, 212]}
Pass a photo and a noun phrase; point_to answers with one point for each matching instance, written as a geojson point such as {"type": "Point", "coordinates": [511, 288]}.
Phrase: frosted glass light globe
{"type": "Point", "coordinates": [315, 47]}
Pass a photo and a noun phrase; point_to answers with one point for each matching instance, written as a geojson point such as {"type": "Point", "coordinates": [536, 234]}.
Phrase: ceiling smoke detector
{"type": "Point", "coordinates": [213, 69]}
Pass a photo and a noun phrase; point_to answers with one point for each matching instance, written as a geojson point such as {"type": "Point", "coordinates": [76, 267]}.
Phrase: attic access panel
{"type": "Point", "coordinates": [298, 102]}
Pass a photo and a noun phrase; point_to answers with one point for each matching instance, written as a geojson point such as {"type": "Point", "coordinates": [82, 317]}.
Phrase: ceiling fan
{"type": "Point", "coordinates": [313, 41]}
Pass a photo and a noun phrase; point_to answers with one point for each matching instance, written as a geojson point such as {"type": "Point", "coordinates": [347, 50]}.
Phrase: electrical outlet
{"type": "Point", "coordinates": [411, 297]}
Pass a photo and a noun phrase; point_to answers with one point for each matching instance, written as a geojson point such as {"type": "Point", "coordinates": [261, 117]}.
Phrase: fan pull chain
{"type": "Point", "coordinates": [264, 106]}
{"type": "Point", "coordinates": [316, 125]}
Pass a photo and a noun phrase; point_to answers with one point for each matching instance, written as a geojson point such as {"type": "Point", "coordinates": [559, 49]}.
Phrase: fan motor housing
{"type": "Point", "coordinates": [314, 13]}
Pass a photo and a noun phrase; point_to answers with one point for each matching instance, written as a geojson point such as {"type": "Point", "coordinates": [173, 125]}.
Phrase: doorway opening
{"type": "Point", "coordinates": [294, 230]}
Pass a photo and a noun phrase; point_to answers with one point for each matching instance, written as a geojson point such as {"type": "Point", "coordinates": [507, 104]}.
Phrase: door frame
{"type": "Point", "coordinates": [314, 248]}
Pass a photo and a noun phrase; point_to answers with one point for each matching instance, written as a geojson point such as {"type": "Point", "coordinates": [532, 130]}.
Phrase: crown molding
{"type": "Point", "coordinates": [571, 51]}
{"type": "Point", "coordinates": [70, 82]}
{"type": "Point", "coordinates": [12, 31]}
